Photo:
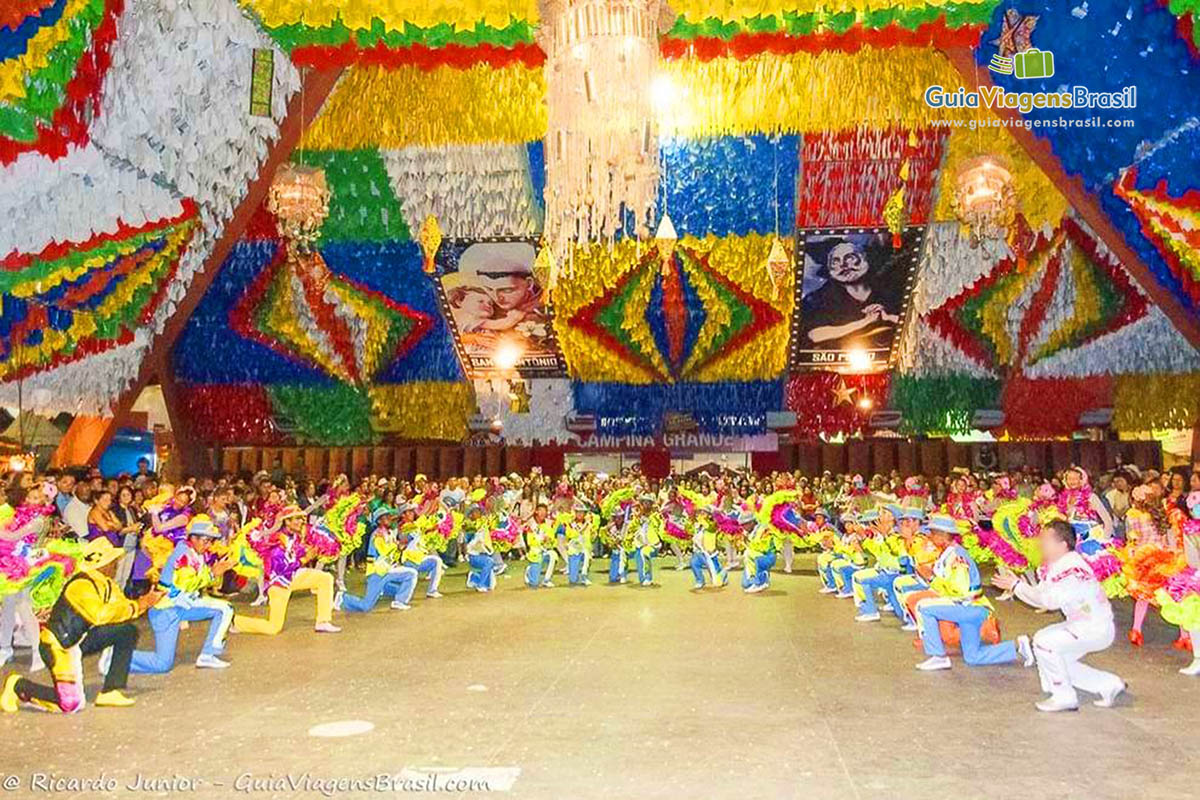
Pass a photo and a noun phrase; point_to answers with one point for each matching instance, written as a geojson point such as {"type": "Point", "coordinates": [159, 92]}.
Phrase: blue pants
{"type": "Point", "coordinates": [433, 567]}
{"type": "Point", "coordinates": [826, 573]}
{"type": "Point", "coordinates": [645, 563]}
{"type": "Point", "coordinates": [165, 624]}
{"type": "Point", "coordinates": [970, 619]}
{"type": "Point", "coordinates": [618, 565]}
{"type": "Point", "coordinates": [846, 574]}
{"type": "Point", "coordinates": [483, 571]}
{"type": "Point", "coordinates": [758, 572]}
{"type": "Point", "coordinates": [575, 572]}
{"type": "Point", "coordinates": [703, 564]}
{"type": "Point", "coordinates": [871, 583]}
{"type": "Point", "coordinates": [535, 571]}
{"type": "Point", "coordinates": [399, 583]}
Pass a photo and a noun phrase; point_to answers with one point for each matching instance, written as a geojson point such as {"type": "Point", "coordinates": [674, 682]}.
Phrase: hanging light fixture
{"type": "Point", "coordinates": [299, 199]}
{"type": "Point", "coordinates": [601, 145]}
{"type": "Point", "coordinates": [985, 199]}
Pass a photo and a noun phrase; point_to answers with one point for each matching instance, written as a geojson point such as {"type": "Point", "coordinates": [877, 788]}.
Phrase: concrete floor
{"type": "Point", "coordinates": [624, 692]}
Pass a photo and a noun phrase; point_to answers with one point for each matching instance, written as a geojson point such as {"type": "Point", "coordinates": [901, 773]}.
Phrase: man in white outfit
{"type": "Point", "coordinates": [1067, 584]}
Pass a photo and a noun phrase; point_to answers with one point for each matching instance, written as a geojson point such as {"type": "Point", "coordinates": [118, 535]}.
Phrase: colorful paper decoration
{"type": "Point", "coordinates": [68, 302]}
{"type": "Point", "coordinates": [301, 310]}
{"type": "Point", "coordinates": [673, 315]}
{"type": "Point", "coordinates": [1172, 224]}
{"type": "Point", "coordinates": [849, 177]}
{"type": "Point", "coordinates": [51, 65]}
{"type": "Point", "coordinates": [1069, 294]}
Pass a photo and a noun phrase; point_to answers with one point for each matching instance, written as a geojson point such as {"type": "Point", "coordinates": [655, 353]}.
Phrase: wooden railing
{"type": "Point", "coordinates": [866, 456]}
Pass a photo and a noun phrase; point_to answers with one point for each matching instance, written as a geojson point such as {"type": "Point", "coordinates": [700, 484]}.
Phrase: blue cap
{"type": "Point", "coordinates": [913, 513]}
{"type": "Point", "coordinates": [944, 523]}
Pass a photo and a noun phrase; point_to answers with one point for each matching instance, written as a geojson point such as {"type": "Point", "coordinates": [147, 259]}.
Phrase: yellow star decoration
{"type": "Point", "coordinates": [843, 394]}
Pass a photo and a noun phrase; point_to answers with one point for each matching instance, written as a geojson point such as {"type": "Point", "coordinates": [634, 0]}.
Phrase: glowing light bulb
{"type": "Point", "coordinates": [506, 356]}
{"type": "Point", "coordinates": [859, 359]}
{"type": "Point", "coordinates": [662, 92]}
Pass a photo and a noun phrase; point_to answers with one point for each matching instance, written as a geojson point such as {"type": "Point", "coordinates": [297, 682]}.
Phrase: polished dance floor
{"type": "Point", "coordinates": [624, 692]}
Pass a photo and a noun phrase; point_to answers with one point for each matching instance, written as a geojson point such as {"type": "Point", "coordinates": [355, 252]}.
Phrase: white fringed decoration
{"type": "Point", "coordinates": [550, 401]}
{"type": "Point", "coordinates": [174, 123]}
{"type": "Point", "coordinates": [472, 191]}
{"type": "Point", "coordinates": [73, 199]}
{"type": "Point", "coordinates": [602, 137]}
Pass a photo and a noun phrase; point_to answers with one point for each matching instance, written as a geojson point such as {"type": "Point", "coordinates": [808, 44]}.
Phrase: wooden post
{"type": "Point", "coordinates": [302, 110]}
{"type": "Point", "coordinates": [1084, 203]}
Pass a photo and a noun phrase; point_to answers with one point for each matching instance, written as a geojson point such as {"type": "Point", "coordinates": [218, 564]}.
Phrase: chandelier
{"type": "Point", "coordinates": [601, 146]}
{"type": "Point", "coordinates": [299, 199]}
{"type": "Point", "coordinates": [984, 198]}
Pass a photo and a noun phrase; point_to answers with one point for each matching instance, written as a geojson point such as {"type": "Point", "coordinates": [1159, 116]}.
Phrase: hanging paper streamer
{"type": "Point", "coordinates": [829, 403]}
{"type": "Point", "coordinates": [222, 414]}
{"type": "Point", "coordinates": [942, 404]}
{"type": "Point", "coordinates": [1172, 224]}
{"type": "Point", "coordinates": [386, 34]}
{"type": "Point", "coordinates": [373, 107]}
{"type": "Point", "coordinates": [336, 415]}
{"type": "Point", "coordinates": [473, 191]}
{"type": "Point", "coordinates": [727, 186]}
{"type": "Point", "coordinates": [1069, 294]}
{"type": "Point", "coordinates": [1041, 407]}
{"type": "Point", "coordinates": [1156, 402]}
{"type": "Point", "coordinates": [51, 67]}
{"type": "Point", "coordinates": [728, 407]}
{"type": "Point", "coordinates": [422, 410]}
{"type": "Point", "coordinates": [363, 207]}
{"type": "Point", "coordinates": [64, 304]}
{"type": "Point", "coordinates": [849, 177]}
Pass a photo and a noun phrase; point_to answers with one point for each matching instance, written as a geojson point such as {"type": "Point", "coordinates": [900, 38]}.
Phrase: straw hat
{"type": "Point", "coordinates": [99, 553]}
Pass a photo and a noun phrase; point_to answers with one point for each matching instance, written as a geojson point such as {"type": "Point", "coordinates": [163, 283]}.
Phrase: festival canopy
{"type": "Point", "coordinates": [335, 221]}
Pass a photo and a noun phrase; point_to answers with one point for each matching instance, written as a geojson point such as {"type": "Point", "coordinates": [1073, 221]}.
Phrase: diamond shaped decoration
{"type": "Point", "coordinates": [1003, 320]}
{"type": "Point", "coordinates": [325, 321]}
{"type": "Point", "coordinates": [672, 317]}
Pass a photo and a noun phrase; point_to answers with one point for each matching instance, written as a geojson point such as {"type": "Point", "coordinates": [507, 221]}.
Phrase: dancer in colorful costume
{"type": "Point", "coordinates": [423, 538]}
{"type": "Point", "coordinates": [851, 554]}
{"type": "Point", "coordinates": [170, 511]}
{"type": "Point", "coordinates": [1179, 600]}
{"type": "Point", "coordinates": [1149, 558]}
{"type": "Point", "coordinates": [781, 513]}
{"type": "Point", "coordinates": [387, 574]}
{"type": "Point", "coordinates": [839, 551]}
{"type": "Point", "coordinates": [646, 527]}
{"type": "Point", "coordinates": [184, 579]}
{"type": "Point", "coordinates": [706, 559]}
{"type": "Point", "coordinates": [541, 539]}
{"type": "Point", "coordinates": [898, 555]}
{"type": "Point", "coordinates": [676, 524]}
{"type": "Point", "coordinates": [759, 556]}
{"type": "Point", "coordinates": [959, 599]}
{"type": "Point", "coordinates": [286, 572]}
{"type": "Point", "coordinates": [578, 532]}
{"type": "Point", "coordinates": [28, 560]}
{"type": "Point", "coordinates": [1067, 584]}
{"type": "Point", "coordinates": [1077, 502]}
{"type": "Point", "coordinates": [91, 615]}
